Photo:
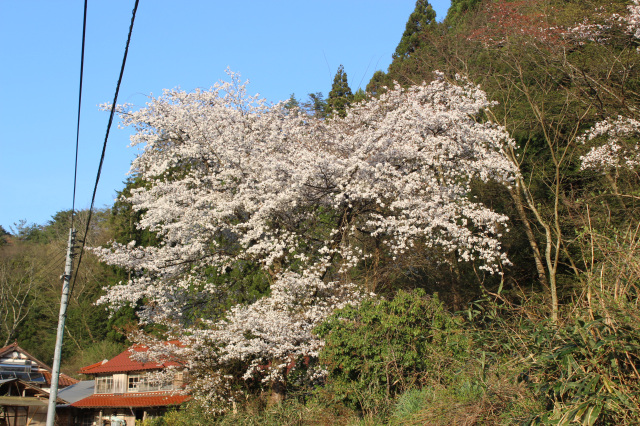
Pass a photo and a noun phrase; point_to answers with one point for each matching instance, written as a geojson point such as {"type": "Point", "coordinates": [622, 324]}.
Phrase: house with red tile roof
{"type": "Point", "coordinates": [127, 389]}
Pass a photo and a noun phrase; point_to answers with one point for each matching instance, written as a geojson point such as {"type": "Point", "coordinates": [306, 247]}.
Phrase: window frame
{"type": "Point", "coordinates": [103, 384]}
{"type": "Point", "coordinates": [143, 384]}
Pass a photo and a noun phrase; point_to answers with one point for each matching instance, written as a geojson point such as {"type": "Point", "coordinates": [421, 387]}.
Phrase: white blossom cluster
{"type": "Point", "coordinates": [588, 30]}
{"type": "Point", "coordinates": [229, 179]}
{"type": "Point", "coordinates": [633, 19]}
{"type": "Point", "coordinates": [593, 31]}
{"type": "Point", "coordinates": [270, 338]}
{"type": "Point", "coordinates": [620, 149]}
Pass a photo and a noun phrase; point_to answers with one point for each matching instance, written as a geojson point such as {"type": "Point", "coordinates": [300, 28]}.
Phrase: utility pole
{"type": "Point", "coordinates": [64, 301]}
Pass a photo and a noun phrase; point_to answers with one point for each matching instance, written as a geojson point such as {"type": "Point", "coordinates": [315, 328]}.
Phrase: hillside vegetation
{"type": "Point", "coordinates": [458, 245]}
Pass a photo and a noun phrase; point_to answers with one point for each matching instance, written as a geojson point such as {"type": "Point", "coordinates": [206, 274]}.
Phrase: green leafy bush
{"type": "Point", "coordinates": [383, 347]}
{"type": "Point", "coordinates": [187, 415]}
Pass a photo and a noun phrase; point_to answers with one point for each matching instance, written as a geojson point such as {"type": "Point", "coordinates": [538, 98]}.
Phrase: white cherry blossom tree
{"type": "Point", "coordinates": [229, 180]}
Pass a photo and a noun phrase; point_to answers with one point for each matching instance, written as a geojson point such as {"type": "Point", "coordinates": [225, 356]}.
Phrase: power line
{"type": "Point", "coordinates": [365, 72]}
{"type": "Point", "coordinates": [104, 145]}
{"type": "Point", "coordinates": [75, 172]}
{"type": "Point", "coordinates": [67, 289]}
{"type": "Point", "coordinates": [54, 263]}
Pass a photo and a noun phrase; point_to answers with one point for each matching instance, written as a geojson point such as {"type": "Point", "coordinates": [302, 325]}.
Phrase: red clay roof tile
{"type": "Point", "coordinates": [63, 379]}
{"type": "Point", "coordinates": [123, 362]}
{"type": "Point", "coordinates": [148, 399]}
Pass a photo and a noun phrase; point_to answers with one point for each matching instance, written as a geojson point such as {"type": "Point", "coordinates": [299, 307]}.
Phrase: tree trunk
{"type": "Point", "coordinates": [542, 275]}
{"type": "Point", "coordinates": [278, 392]}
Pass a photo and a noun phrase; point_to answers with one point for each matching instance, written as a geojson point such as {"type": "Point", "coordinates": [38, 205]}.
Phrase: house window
{"type": "Point", "coordinates": [178, 380]}
{"type": "Point", "coordinates": [144, 383]}
{"type": "Point", "coordinates": [135, 380]}
{"type": "Point", "coordinates": [104, 384]}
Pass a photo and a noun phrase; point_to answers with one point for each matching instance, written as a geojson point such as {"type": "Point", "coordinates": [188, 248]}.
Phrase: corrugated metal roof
{"type": "Point", "coordinates": [148, 399]}
{"type": "Point", "coordinates": [77, 391]}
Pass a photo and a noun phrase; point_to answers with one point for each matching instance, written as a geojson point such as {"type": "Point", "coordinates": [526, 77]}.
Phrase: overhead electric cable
{"type": "Point", "coordinates": [365, 72]}
{"type": "Point", "coordinates": [104, 145]}
{"type": "Point", "coordinates": [75, 171]}
{"type": "Point", "coordinates": [54, 263]}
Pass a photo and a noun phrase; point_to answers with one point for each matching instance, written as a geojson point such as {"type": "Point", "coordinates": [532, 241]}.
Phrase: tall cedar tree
{"type": "Point", "coordinates": [422, 17]}
{"type": "Point", "coordinates": [340, 96]}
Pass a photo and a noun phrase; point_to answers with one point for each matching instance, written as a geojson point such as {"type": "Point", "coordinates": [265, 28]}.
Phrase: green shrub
{"type": "Point", "coordinates": [187, 415]}
{"type": "Point", "coordinates": [383, 347]}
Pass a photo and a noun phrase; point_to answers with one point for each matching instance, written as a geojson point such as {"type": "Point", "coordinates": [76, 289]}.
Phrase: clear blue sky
{"type": "Point", "coordinates": [281, 46]}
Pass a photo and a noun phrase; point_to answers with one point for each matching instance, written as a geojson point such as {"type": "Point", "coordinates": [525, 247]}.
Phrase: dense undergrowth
{"type": "Point", "coordinates": [408, 361]}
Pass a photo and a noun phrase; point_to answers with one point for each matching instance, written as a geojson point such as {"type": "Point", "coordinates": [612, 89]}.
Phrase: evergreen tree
{"type": "Point", "coordinates": [359, 96]}
{"type": "Point", "coordinates": [378, 81]}
{"type": "Point", "coordinates": [340, 96]}
{"type": "Point", "coordinates": [316, 106]}
{"type": "Point", "coordinates": [459, 8]}
{"type": "Point", "coordinates": [292, 102]}
{"type": "Point", "coordinates": [422, 17]}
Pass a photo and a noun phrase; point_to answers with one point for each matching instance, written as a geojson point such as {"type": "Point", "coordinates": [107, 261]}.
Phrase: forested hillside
{"type": "Point", "coordinates": [457, 245]}
{"type": "Point", "coordinates": [31, 265]}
